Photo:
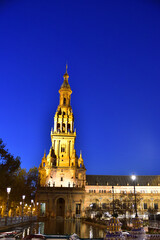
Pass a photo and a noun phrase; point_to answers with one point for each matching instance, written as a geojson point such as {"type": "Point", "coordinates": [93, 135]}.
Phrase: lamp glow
{"type": "Point", "coordinates": [23, 197]}
{"type": "Point", "coordinates": [133, 177]}
{"type": "Point", "coordinates": [8, 190]}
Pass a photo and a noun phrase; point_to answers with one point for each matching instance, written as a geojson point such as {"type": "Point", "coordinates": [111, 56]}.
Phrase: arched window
{"type": "Point", "coordinates": [63, 127]}
{"type": "Point", "coordinates": [58, 126]}
{"type": "Point", "coordinates": [68, 127]}
{"type": "Point", "coordinates": [64, 101]}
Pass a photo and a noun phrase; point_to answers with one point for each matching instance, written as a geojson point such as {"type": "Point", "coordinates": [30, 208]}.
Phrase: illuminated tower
{"type": "Point", "coordinates": [62, 167]}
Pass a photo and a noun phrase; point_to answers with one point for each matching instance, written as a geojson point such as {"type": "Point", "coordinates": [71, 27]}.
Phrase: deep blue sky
{"type": "Point", "coordinates": [113, 53]}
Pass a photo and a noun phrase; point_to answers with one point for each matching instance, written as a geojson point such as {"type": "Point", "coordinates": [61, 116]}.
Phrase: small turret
{"type": "Point", "coordinates": [80, 160]}
{"type": "Point", "coordinates": [80, 157]}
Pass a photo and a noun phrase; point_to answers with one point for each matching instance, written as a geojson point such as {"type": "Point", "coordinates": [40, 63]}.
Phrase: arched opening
{"type": "Point", "coordinates": [68, 127]}
{"type": "Point", "coordinates": [64, 101]}
{"type": "Point", "coordinates": [63, 127]}
{"type": "Point", "coordinates": [60, 210]}
{"type": "Point", "coordinates": [58, 126]}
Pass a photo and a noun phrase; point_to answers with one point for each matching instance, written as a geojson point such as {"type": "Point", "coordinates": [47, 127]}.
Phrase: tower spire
{"type": "Point", "coordinates": [66, 67]}
{"type": "Point", "coordinates": [66, 76]}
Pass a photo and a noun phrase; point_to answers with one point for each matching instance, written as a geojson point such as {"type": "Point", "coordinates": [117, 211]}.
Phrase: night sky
{"type": "Point", "coordinates": [112, 48]}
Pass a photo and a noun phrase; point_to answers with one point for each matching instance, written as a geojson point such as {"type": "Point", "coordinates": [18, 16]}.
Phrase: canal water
{"type": "Point", "coordinates": [65, 227]}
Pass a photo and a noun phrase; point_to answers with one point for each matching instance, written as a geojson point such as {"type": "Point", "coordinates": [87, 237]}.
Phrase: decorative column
{"type": "Point", "coordinates": [66, 127]}
{"type": "Point", "coordinates": [71, 126]}
{"type": "Point", "coordinates": [55, 125]}
{"type": "Point", "coordinates": [69, 148]}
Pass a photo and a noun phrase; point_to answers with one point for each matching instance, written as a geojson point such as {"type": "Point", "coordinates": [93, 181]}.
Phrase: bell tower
{"type": "Point", "coordinates": [62, 167]}
{"type": "Point", "coordinates": [63, 136]}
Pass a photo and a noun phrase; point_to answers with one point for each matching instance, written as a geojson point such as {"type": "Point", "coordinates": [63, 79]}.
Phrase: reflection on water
{"type": "Point", "coordinates": [66, 227]}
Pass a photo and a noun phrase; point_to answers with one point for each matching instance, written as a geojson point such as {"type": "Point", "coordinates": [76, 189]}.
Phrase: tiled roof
{"type": "Point", "coordinates": [118, 180]}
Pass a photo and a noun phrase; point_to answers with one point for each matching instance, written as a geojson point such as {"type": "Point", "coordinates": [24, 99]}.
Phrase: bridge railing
{"type": "Point", "coordinates": [9, 221]}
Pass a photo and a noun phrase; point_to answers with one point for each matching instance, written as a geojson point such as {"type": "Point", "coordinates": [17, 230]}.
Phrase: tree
{"type": "Point", "coordinates": [25, 183]}
{"type": "Point", "coordinates": [8, 166]}
{"type": "Point", "coordinates": [128, 202]}
{"type": "Point", "coordinates": [20, 181]}
{"type": "Point", "coordinates": [32, 180]}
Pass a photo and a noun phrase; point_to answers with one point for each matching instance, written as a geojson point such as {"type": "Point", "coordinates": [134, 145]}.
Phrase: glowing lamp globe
{"type": "Point", "coordinates": [8, 190]}
{"type": "Point", "coordinates": [133, 177]}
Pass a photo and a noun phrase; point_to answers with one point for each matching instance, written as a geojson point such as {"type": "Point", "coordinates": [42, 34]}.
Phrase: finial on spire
{"type": "Point", "coordinates": [66, 76]}
{"type": "Point", "coordinates": [44, 153]}
{"type": "Point", "coordinates": [66, 67]}
{"type": "Point", "coordinates": [80, 153]}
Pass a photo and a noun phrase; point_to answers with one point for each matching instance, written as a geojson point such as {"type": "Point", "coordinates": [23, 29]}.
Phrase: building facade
{"type": "Point", "coordinates": [64, 188]}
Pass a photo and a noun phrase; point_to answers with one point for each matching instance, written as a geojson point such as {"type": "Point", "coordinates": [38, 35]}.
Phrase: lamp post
{"type": "Point", "coordinates": [8, 192]}
{"type": "Point", "coordinates": [37, 208]}
{"type": "Point", "coordinates": [23, 197]}
{"type": "Point", "coordinates": [20, 209]}
{"type": "Point", "coordinates": [113, 199]}
{"type": "Point", "coordinates": [31, 206]}
{"type": "Point", "coordinates": [133, 177]}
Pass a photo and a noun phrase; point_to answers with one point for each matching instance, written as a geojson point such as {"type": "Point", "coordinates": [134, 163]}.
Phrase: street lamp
{"type": "Point", "coordinates": [8, 192]}
{"type": "Point", "coordinates": [20, 211]}
{"type": "Point", "coordinates": [37, 208]}
{"type": "Point", "coordinates": [113, 199]}
{"type": "Point", "coordinates": [31, 206]}
{"type": "Point", "coordinates": [23, 197]}
{"type": "Point", "coordinates": [133, 177]}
